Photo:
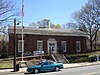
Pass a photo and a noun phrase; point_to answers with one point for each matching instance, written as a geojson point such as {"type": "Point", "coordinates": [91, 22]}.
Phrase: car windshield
{"type": "Point", "coordinates": [42, 62]}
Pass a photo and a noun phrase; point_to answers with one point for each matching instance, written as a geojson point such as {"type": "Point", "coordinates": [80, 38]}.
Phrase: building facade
{"type": "Point", "coordinates": [48, 41]}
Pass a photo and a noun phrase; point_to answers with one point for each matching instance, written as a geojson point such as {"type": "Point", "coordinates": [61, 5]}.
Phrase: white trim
{"type": "Point", "coordinates": [41, 46]}
{"type": "Point", "coordinates": [52, 41]}
{"type": "Point", "coordinates": [78, 46]}
{"type": "Point", "coordinates": [20, 46]}
{"type": "Point", "coordinates": [64, 46]}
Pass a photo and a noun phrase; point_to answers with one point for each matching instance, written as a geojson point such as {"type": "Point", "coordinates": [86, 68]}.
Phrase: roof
{"type": "Point", "coordinates": [47, 31]}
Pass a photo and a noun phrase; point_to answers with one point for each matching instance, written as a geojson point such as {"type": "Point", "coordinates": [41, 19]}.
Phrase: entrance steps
{"type": "Point", "coordinates": [60, 58]}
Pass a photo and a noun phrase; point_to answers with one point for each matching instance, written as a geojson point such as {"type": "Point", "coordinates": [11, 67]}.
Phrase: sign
{"type": "Point", "coordinates": [38, 52]}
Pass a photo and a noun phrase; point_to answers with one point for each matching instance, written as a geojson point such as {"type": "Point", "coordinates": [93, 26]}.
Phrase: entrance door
{"type": "Point", "coordinates": [52, 46]}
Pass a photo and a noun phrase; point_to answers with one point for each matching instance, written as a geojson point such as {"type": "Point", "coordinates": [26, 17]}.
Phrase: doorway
{"type": "Point", "coordinates": [52, 46]}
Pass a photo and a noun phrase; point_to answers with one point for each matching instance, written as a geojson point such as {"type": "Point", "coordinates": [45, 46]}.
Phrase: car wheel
{"type": "Point", "coordinates": [36, 71]}
{"type": "Point", "coordinates": [57, 68]}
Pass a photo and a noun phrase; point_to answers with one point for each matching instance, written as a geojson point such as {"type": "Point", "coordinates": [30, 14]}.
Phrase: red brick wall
{"type": "Point", "coordinates": [30, 42]}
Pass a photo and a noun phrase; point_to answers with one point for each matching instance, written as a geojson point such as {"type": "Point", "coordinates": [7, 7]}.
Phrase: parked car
{"type": "Point", "coordinates": [45, 66]}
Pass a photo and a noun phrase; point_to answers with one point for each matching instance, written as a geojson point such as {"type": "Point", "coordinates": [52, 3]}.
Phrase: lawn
{"type": "Point", "coordinates": [6, 64]}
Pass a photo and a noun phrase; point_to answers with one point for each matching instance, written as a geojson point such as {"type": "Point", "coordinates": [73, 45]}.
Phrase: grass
{"type": "Point", "coordinates": [6, 64]}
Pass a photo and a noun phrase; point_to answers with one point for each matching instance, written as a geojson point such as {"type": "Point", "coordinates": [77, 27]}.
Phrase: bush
{"type": "Point", "coordinates": [3, 49]}
{"type": "Point", "coordinates": [19, 55]}
{"type": "Point", "coordinates": [76, 58]}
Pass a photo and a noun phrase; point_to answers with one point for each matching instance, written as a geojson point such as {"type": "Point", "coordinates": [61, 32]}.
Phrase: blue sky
{"type": "Point", "coordinates": [58, 11]}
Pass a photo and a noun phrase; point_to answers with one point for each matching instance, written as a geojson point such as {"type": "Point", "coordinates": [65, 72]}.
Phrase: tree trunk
{"type": "Point", "coordinates": [91, 45]}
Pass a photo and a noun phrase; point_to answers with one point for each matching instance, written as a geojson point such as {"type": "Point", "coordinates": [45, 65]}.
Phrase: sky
{"type": "Point", "coordinates": [58, 11]}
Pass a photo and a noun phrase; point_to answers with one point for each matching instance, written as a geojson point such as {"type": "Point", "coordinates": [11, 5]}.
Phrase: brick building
{"type": "Point", "coordinates": [48, 40]}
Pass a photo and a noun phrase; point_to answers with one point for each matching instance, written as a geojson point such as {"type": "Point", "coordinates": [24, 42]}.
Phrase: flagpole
{"type": "Point", "coordinates": [22, 31]}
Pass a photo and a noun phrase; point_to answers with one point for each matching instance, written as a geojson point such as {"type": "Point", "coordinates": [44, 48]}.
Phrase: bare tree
{"type": "Point", "coordinates": [33, 25]}
{"type": "Point", "coordinates": [71, 25]}
{"type": "Point", "coordinates": [88, 19]}
{"type": "Point", "coordinates": [7, 11]}
{"type": "Point", "coordinates": [45, 23]}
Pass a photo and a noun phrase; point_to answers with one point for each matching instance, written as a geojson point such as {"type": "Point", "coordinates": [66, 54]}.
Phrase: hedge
{"type": "Point", "coordinates": [76, 58]}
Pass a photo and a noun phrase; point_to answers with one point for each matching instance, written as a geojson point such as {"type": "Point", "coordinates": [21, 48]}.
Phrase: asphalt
{"type": "Point", "coordinates": [66, 66]}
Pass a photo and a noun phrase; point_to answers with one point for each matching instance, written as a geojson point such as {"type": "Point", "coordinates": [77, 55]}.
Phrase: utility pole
{"type": "Point", "coordinates": [14, 44]}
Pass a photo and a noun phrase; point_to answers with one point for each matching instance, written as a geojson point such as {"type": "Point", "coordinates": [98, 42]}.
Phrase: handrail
{"type": "Point", "coordinates": [53, 57]}
{"type": "Point", "coordinates": [65, 58]}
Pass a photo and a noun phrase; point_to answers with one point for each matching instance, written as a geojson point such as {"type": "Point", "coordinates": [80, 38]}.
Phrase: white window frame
{"type": "Point", "coordinates": [20, 46]}
{"type": "Point", "coordinates": [41, 47]}
{"type": "Point", "coordinates": [78, 46]}
{"type": "Point", "coordinates": [64, 46]}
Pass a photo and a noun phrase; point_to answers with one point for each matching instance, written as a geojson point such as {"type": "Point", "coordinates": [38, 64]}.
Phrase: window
{"type": "Point", "coordinates": [78, 46]}
{"type": "Point", "coordinates": [20, 45]}
{"type": "Point", "coordinates": [63, 46]}
{"type": "Point", "coordinates": [39, 45]}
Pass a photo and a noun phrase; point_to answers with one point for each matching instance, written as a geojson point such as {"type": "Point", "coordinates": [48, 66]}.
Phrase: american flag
{"type": "Point", "coordinates": [22, 9]}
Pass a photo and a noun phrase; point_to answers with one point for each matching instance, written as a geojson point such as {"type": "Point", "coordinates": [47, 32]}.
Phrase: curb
{"type": "Point", "coordinates": [10, 71]}
{"type": "Point", "coordinates": [23, 70]}
{"type": "Point", "coordinates": [83, 65]}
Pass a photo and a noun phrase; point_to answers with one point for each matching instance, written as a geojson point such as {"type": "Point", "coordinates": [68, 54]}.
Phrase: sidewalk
{"type": "Point", "coordinates": [72, 65]}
